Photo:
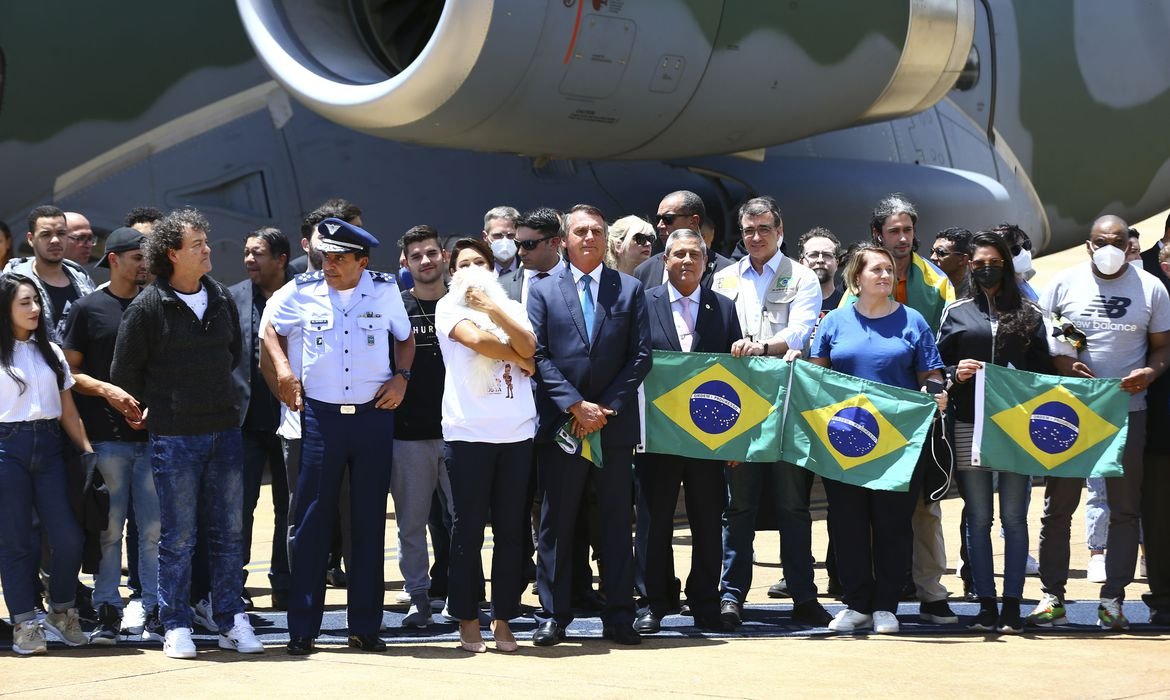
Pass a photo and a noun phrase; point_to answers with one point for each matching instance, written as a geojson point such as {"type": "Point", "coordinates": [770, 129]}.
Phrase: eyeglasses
{"type": "Point", "coordinates": [763, 230]}
{"type": "Point", "coordinates": [668, 218]}
{"type": "Point", "coordinates": [531, 244]}
{"type": "Point", "coordinates": [644, 238]}
{"type": "Point", "coordinates": [944, 253]}
{"type": "Point", "coordinates": [818, 255]}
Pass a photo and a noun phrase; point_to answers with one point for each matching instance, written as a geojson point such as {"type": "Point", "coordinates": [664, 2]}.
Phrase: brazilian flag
{"type": "Point", "coordinates": [1041, 424]}
{"type": "Point", "coordinates": [853, 430]}
{"type": "Point", "coordinates": [714, 406]}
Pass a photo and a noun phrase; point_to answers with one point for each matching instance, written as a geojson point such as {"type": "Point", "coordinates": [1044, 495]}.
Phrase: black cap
{"type": "Point", "coordinates": [120, 241]}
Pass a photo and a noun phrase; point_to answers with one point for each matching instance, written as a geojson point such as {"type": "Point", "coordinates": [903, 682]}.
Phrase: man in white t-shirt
{"type": "Point", "coordinates": [1124, 314]}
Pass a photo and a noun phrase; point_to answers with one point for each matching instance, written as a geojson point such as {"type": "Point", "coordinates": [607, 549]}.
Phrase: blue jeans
{"type": "Point", "coordinates": [200, 478]}
{"type": "Point", "coordinates": [744, 484]}
{"type": "Point", "coordinates": [125, 467]}
{"type": "Point", "coordinates": [1096, 514]}
{"type": "Point", "coordinates": [32, 474]}
{"type": "Point", "coordinates": [978, 504]}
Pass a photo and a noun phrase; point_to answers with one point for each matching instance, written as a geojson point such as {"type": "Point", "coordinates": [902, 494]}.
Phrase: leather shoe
{"type": "Point", "coordinates": [367, 642]}
{"type": "Point", "coordinates": [337, 578]}
{"type": "Point", "coordinates": [300, 646]}
{"type": "Point", "coordinates": [811, 613]}
{"type": "Point", "coordinates": [648, 623]}
{"type": "Point", "coordinates": [622, 634]}
{"type": "Point", "coordinates": [779, 590]}
{"type": "Point", "coordinates": [548, 634]}
{"type": "Point", "coordinates": [730, 613]}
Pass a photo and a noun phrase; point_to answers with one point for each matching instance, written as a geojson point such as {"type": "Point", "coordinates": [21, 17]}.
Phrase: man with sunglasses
{"type": "Point", "coordinates": [951, 252]}
{"type": "Point", "coordinates": [538, 246]}
{"type": "Point", "coordinates": [679, 210]}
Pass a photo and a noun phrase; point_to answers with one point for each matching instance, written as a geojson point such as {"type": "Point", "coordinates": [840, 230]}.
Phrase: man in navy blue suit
{"type": "Point", "coordinates": [683, 317]}
{"type": "Point", "coordinates": [592, 353]}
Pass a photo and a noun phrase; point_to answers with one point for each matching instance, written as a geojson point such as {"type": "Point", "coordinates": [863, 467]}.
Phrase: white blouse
{"type": "Point", "coordinates": [41, 398]}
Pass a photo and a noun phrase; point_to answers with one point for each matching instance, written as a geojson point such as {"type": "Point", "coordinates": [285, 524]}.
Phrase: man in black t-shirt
{"type": "Point", "coordinates": [418, 434]}
{"type": "Point", "coordinates": [114, 423]}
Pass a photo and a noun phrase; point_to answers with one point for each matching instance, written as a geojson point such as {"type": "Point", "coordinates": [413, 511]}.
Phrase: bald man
{"type": "Point", "coordinates": [80, 240]}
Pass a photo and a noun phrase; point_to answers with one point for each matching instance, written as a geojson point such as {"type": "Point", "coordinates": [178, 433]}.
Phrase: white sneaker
{"type": "Point", "coordinates": [1096, 569]}
{"type": "Point", "coordinates": [177, 643]}
{"type": "Point", "coordinates": [1031, 566]}
{"type": "Point", "coordinates": [201, 615]}
{"type": "Point", "coordinates": [849, 620]}
{"type": "Point", "coordinates": [28, 637]}
{"type": "Point", "coordinates": [241, 636]}
{"type": "Point", "coordinates": [402, 597]}
{"type": "Point", "coordinates": [133, 617]}
{"type": "Point", "coordinates": [66, 627]}
{"type": "Point", "coordinates": [884, 622]}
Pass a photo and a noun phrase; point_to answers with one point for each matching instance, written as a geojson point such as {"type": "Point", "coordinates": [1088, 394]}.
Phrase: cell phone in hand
{"type": "Point", "coordinates": [935, 387]}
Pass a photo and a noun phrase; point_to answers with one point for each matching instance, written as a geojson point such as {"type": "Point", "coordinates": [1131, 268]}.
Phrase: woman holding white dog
{"type": "Point", "coordinates": [489, 420]}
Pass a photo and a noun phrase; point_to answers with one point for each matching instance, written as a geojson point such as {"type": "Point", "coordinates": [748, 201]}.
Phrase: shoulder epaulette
{"type": "Point", "coordinates": [307, 277]}
{"type": "Point", "coordinates": [382, 277]}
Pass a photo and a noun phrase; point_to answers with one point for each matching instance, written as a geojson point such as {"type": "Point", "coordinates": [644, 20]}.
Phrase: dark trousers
{"type": "Point", "coordinates": [487, 480]}
{"type": "Point", "coordinates": [439, 527]}
{"type": "Point", "coordinates": [260, 449]}
{"type": "Point", "coordinates": [871, 539]}
{"type": "Point", "coordinates": [333, 443]}
{"type": "Point", "coordinates": [563, 478]}
{"type": "Point", "coordinates": [658, 478]}
{"type": "Point", "coordinates": [1156, 530]}
{"type": "Point", "coordinates": [291, 450]}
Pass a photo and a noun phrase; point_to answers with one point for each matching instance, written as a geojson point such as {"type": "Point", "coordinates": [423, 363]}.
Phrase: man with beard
{"type": "Point", "coordinates": [820, 251]}
{"type": "Point", "coordinates": [59, 280]}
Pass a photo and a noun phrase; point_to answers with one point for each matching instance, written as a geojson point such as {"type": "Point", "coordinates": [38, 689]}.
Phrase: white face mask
{"type": "Point", "coordinates": [1023, 262]}
{"type": "Point", "coordinates": [1137, 264]}
{"type": "Point", "coordinates": [1108, 259]}
{"type": "Point", "coordinates": [504, 249]}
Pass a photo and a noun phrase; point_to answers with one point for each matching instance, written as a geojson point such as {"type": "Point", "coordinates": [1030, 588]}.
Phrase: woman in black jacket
{"type": "Point", "coordinates": [995, 324]}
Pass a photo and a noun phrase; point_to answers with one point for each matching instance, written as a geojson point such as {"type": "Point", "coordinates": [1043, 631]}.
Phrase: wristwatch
{"type": "Point", "coordinates": [404, 372]}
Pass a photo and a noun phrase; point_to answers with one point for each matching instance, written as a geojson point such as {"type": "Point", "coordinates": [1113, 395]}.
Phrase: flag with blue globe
{"type": "Point", "coordinates": [1042, 424]}
{"type": "Point", "coordinates": [714, 406]}
{"type": "Point", "coordinates": [853, 430]}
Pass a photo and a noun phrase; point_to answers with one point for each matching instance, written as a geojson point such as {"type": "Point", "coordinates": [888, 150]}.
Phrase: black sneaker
{"type": "Point", "coordinates": [84, 604]}
{"type": "Point", "coordinates": [938, 612]}
{"type": "Point", "coordinates": [1010, 621]}
{"type": "Point", "coordinates": [108, 627]}
{"type": "Point", "coordinates": [153, 630]}
{"type": "Point", "coordinates": [986, 620]}
{"type": "Point", "coordinates": [811, 613]}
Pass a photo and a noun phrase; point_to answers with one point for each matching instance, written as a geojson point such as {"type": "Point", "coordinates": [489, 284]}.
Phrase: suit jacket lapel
{"type": "Point", "coordinates": [569, 290]}
{"type": "Point", "coordinates": [665, 316]}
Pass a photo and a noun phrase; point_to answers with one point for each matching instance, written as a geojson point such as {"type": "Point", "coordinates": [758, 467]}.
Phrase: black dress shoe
{"type": "Point", "coordinates": [685, 610]}
{"type": "Point", "coordinates": [548, 634]}
{"type": "Point", "coordinates": [730, 613]}
{"type": "Point", "coordinates": [300, 646]}
{"type": "Point", "coordinates": [648, 623]}
{"type": "Point", "coordinates": [779, 590]}
{"type": "Point", "coordinates": [622, 634]}
{"type": "Point", "coordinates": [337, 577]}
{"type": "Point", "coordinates": [367, 642]}
{"type": "Point", "coordinates": [811, 613]}
{"type": "Point", "coordinates": [712, 623]}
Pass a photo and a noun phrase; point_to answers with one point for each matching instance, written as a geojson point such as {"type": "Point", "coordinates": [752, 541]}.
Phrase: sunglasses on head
{"type": "Point", "coordinates": [531, 245]}
{"type": "Point", "coordinates": [644, 238]}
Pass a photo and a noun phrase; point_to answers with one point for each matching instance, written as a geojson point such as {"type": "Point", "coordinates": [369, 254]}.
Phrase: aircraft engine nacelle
{"type": "Point", "coordinates": [611, 78]}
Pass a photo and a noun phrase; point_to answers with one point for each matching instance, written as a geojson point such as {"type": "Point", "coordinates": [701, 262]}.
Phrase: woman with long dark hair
{"type": "Point", "coordinates": [37, 406]}
{"type": "Point", "coordinates": [995, 324]}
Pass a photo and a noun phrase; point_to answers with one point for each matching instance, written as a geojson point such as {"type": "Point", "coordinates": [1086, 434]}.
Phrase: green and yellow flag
{"type": "Point", "coordinates": [714, 406]}
{"type": "Point", "coordinates": [1048, 425]}
{"type": "Point", "coordinates": [853, 430]}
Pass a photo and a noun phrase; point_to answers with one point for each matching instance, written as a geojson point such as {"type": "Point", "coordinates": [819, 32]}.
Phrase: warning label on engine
{"type": "Point", "coordinates": [589, 115]}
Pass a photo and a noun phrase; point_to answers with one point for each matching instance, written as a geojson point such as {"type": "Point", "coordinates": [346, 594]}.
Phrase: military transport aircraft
{"type": "Point", "coordinates": [1041, 112]}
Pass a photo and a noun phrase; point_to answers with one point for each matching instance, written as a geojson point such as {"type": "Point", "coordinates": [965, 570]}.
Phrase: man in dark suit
{"type": "Point", "coordinates": [683, 317]}
{"type": "Point", "coordinates": [538, 245]}
{"type": "Point", "coordinates": [592, 353]}
{"type": "Point", "coordinates": [266, 253]}
{"type": "Point", "coordinates": [680, 210]}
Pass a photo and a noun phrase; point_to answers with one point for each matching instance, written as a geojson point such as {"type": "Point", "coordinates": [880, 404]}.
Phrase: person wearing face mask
{"type": "Point", "coordinates": [499, 232]}
{"type": "Point", "coordinates": [992, 323]}
{"type": "Point", "coordinates": [1124, 315]}
{"type": "Point", "coordinates": [1020, 246]}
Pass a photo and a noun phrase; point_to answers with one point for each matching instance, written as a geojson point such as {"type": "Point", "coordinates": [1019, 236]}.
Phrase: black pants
{"type": "Point", "coordinates": [1156, 529]}
{"type": "Point", "coordinates": [260, 449]}
{"type": "Point", "coordinates": [872, 538]}
{"type": "Point", "coordinates": [487, 480]}
{"type": "Point", "coordinates": [563, 478]}
{"type": "Point", "coordinates": [658, 478]}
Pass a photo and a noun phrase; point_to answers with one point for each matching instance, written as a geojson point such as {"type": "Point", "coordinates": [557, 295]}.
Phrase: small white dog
{"type": "Point", "coordinates": [483, 370]}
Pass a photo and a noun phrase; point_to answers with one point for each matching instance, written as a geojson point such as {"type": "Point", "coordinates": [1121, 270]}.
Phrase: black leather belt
{"type": "Point", "coordinates": [345, 409]}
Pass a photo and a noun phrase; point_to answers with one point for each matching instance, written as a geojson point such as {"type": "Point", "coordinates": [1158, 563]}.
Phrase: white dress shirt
{"type": "Point", "coordinates": [41, 399]}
